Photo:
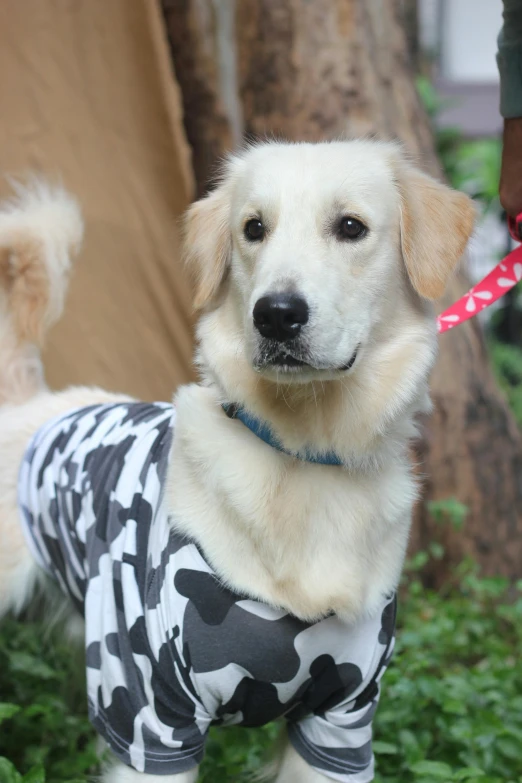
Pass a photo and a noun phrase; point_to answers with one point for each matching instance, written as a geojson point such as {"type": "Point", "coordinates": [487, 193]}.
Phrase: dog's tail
{"type": "Point", "coordinates": [40, 231]}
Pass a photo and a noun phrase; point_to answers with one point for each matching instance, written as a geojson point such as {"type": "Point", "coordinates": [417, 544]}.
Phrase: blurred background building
{"type": "Point", "coordinates": [459, 37]}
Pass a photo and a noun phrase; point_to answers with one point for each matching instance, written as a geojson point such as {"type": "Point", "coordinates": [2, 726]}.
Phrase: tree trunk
{"type": "Point", "coordinates": [322, 69]}
{"type": "Point", "coordinates": [410, 15]}
{"type": "Point", "coordinates": [193, 37]}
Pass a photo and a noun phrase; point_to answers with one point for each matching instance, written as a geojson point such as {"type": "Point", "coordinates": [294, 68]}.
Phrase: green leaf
{"type": "Point", "coordinates": [434, 769]}
{"type": "Point", "coordinates": [35, 775]}
{"type": "Point", "coordinates": [385, 748]}
{"type": "Point", "coordinates": [8, 772]}
{"type": "Point", "coordinates": [417, 562]}
{"type": "Point", "coordinates": [436, 550]}
{"type": "Point", "coordinates": [468, 773]}
{"type": "Point", "coordinates": [8, 710]}
{"type": "Point", "coordinates": [454, 707]}
{"type": "Point", "coordinates": [449, 511]}
{"type": "Point", "coordinates": [24, 663]}
{"type": "Point", "coordinates": [509, 748]}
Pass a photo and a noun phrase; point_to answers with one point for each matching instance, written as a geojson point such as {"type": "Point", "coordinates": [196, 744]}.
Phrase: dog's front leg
{"type": "Point", "coordinates": [118, 772]}
{"type": "Point", "coordinates": [294, 769]}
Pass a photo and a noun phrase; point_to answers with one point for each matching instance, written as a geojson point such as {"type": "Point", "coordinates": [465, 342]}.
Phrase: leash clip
{"type": "Point", "coordinates": [515, 227]}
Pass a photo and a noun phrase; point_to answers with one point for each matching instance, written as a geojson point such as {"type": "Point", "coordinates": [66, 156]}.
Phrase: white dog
{"type": "Point", "coordinates": [241, 565]}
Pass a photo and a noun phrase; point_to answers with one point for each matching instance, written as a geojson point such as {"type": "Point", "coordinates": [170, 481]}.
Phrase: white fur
{"type": "Point", "coordinates": [120, 773]}
{"type": "Point", "coordinates": [293, 769]}
{"type": "Point", "coordinates": [305, 537]}
{"type": "Point", "coordinates": [40, 228]}
{"type": "Point", "coordinates": [50, 217]}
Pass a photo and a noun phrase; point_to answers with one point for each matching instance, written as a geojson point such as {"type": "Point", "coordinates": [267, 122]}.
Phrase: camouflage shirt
{"type": "Point", "coordinates": [170, 650]}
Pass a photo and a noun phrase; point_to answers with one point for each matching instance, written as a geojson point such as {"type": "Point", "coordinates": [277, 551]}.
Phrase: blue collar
{"type": "Point", "coordinates": [263, 431]}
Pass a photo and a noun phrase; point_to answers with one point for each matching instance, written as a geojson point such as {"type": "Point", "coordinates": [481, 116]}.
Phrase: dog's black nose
{"type": "Point", "coordinates": [280, 316]}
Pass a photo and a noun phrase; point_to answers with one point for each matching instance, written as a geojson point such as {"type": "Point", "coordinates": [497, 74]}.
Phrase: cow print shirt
{"type": "Point", "coordinates": [170, 650]}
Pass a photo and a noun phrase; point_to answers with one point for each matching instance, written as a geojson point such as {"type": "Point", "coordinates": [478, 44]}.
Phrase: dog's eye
{"type": "Point", "coordinates": [351, 228]}
{"type": "Point", "coordinates": [254, 230]}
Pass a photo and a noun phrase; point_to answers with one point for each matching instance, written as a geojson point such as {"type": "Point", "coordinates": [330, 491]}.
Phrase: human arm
{"type": "Point", "coordinates": [509, 59]}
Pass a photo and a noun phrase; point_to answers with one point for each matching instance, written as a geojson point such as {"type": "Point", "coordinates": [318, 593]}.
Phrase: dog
{"type": "Point", "coordinates": [236, 555]}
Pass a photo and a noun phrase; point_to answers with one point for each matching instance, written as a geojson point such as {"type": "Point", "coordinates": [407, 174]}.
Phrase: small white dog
{"type": "Point", "coordinates": [239, 565]}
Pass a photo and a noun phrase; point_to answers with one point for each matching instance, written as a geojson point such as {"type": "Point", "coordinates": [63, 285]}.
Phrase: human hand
{"type": "Point", "coordinates": [510, 188]}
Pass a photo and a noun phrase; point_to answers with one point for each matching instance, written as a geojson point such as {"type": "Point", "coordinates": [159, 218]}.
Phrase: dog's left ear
{"type": "Point", "coordinates": [436, 224]}
{"type": "Point", "coordinates": [207, 244]}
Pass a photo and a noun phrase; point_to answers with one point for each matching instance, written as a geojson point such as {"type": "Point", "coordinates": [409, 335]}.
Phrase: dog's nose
{"type": "Point", "coordinates": [280, 316]}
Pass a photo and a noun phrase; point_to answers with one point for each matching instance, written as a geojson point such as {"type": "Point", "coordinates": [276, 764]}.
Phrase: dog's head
{"type": "Point", "coordinates": [305, 254]}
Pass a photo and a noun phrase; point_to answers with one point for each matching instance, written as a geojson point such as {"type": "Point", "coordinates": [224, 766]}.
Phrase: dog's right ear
{"type": "Point", "coordinates": [207, 244]}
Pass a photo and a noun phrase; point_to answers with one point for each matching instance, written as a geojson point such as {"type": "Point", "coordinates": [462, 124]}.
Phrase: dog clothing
{"type": "Point", "coordinates": [170, 650]}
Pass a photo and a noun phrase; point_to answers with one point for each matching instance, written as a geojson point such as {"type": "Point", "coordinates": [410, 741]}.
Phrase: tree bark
{"type": "Point", "coordinates": [410, 15]}
{"type": "Point", "coordinates": [330, 68]}
{"type": "Point", "coordinates": [192, 32]}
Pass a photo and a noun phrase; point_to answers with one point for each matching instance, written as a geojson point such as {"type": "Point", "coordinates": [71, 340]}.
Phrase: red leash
{"type": "Point", "coordinates": [496, 283]}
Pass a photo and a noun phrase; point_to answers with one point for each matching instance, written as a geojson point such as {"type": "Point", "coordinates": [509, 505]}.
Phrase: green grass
{"type": "Point", "coordinates": [451, 708]}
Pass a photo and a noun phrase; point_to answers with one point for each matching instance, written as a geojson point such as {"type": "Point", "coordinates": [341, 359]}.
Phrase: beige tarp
{"type": "Point", "coordinates": [87, 96]}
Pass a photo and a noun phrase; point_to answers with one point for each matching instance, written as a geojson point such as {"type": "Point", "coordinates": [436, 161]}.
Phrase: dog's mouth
{"type": "Point", "coordinates": [349, 364]}
{"type": "Point", "coordinates": [287, 362]}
